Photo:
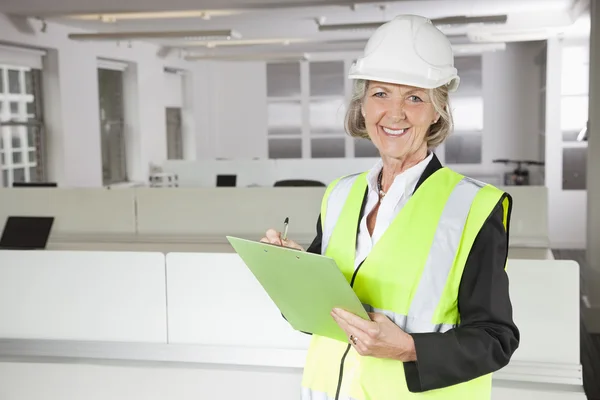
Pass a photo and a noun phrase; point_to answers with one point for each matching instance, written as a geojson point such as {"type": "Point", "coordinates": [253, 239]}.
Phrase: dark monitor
{"type": "Point", "coordinates": [226, 180]}
{"type": "Point", "coordinates": [26, 233]}
{"type": "Point", "coordinates": [34, 184]}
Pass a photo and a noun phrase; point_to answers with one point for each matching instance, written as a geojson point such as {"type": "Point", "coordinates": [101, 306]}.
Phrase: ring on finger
{"type": "Point", "coordinates": [353, 339]}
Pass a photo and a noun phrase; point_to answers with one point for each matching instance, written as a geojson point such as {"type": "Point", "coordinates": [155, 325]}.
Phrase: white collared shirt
{"type": "Point", "coordinates": [396, 197]}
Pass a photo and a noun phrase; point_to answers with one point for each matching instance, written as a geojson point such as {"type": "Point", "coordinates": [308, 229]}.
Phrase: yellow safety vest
{"type": "Point", "coordinates": [412, 275]}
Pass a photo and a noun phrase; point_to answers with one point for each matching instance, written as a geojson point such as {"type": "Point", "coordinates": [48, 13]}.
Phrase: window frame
{"type": "Point", "coordinates": [566, 144]}
{"type": "Point", "coordinates": [441, 149]}
{"type": "Point", "coordinates": [23, 122]}
{"type": "Point", "coordinates": [117, 170]}
{"type": "Point", "coordinates": [174, 137]}
{"type": "Point", "coordinates": [306, 135]}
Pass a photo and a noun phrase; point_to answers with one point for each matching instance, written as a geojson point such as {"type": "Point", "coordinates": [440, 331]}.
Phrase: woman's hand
{"type": "Point", "coordinates": [274, 237]}
{"type": "Point", "coordinates": [379, 337]}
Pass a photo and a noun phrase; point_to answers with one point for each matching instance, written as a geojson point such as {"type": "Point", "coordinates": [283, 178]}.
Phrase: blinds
{"type": "Point", "coordinates": [21, 56]}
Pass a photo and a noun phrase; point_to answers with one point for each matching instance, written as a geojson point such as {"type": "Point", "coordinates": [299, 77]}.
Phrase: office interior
{"type": "Point", "coordinates": [137, 134]}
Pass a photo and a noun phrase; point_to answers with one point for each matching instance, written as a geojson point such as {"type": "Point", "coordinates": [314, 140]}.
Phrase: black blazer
{"type": "Point", "coordinates": [487, 336]}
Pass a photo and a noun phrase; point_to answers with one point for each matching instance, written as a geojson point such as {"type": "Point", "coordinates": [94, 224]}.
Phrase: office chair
{"type": "Point", "coordinates": [298, 182]}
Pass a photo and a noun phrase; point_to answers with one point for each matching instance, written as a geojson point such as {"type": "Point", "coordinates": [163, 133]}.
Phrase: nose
{"type": "Point", "coordinates": [396, 111]}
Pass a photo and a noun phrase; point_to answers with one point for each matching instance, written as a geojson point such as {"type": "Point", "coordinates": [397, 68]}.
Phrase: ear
{"type": "Point", "coordinates": [436, 117]}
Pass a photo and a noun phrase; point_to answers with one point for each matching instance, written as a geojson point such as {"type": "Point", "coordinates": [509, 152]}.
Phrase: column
{"type": "Point", "coordinates": [592, 275]}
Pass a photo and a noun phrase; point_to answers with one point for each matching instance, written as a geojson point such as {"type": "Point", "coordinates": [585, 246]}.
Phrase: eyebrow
{"type": "Point", "coordinates": [408, 92]}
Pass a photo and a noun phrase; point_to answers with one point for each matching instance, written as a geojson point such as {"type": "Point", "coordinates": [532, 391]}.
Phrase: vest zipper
{"type": "Point", "coordinates": [341, 376]}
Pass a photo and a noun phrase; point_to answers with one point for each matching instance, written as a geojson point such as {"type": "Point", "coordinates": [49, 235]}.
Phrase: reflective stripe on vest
{"type": "Point", "coordinates": [332, 205]}
{"type": "Point", "coordinates": [441, 258]}
{"type": "Point", "coordinates": [412, 275]}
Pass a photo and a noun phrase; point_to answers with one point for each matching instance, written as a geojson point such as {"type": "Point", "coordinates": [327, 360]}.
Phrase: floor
{"type": "Point", "coordinates": [590, 343]}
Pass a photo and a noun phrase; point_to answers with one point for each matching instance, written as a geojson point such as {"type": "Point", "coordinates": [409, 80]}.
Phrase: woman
{"type": "Point", "coordinates": [423, 247]}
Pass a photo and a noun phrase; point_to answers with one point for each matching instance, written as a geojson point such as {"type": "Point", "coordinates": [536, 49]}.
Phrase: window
{"type": "Point", "coordinates": [574, 115]}
{"type": "Point", "coordinates": [22, 150]}
{"type": "Point", "coordinates": [327, 109]}
{"type": "Point", "coordinates": [574, 166]}
{"type": "Point", "coordinates": [112, 126]}
{"type": "Point", "coordinates": [174, 134]}
{"type": "Point", "coordinates": [541, 61]}
{"type": "Point", "coordinates": [306, 109]}
{"type": "Point", "coordinates": [464, 144]}
{"type": "Point", "coordinates": [284, 110]}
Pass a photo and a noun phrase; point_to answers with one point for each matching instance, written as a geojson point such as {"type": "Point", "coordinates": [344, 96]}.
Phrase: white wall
{"type": "Point", "coordinates": [511, 82]}
{"type": "Point", "coordinates": [240, 109]}
{"type": "Point", "coordinates": [71, 102]}
{"type": "Point", "coordinates": [230, 109]}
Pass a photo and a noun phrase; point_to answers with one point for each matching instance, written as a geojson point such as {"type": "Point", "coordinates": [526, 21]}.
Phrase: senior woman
{"type": "Point", "coordinates": [423, 247]}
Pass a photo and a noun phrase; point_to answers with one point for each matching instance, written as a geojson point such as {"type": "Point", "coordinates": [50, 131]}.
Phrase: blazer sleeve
{"type": "Point", "coordinates": [486, 337]}
{"type": "Point", "coordinates": [315, 246]}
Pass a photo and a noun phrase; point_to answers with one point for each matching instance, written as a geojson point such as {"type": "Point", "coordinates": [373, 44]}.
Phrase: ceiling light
{"type": "Point", "coordinates": [113, 17]}
{"type": "Point", "coordinates": [516, 35]}
{"type": "Point", "coordinates": [477, 48]}
{"type": "Point", "coordinates": [250, 57]}
{"type": "Point", "coordinates": [248, 42]}
{"type": "Point", "coordinates": [186, 35]}
{"type": "Point", "coordinates": [456, 20]}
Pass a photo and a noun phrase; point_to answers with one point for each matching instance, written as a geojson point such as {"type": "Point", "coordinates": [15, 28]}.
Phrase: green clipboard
{"type": "Point", "coordinates": [305, 287]}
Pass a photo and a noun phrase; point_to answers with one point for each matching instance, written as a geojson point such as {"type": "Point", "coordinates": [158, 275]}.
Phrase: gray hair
{"type": "Point", "coordinates": [354, 122]}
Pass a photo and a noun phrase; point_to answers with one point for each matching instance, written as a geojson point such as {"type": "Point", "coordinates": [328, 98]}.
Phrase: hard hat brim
{"type": "Point", "coordinates": [408, 80]}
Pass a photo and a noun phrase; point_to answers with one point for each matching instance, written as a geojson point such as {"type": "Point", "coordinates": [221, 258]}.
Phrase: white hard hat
{"type": "Point", "coordinates": [408, 50]}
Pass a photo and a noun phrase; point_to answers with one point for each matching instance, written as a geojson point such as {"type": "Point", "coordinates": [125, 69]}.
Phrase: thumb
{"type": "Point", "coordinates": [274, 236]}
{"type": "Point", "coordinates": [377, 317]}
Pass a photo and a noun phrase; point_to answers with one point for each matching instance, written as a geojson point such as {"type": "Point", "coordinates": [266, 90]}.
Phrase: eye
{"type": "Point", "coordinates": [415, 99]}
{"type": "Point", "coordinates": [379, 94]}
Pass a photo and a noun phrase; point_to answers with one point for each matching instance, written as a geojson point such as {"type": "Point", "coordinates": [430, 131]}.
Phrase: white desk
{"type": "Point", "coordinates": [205, 313]}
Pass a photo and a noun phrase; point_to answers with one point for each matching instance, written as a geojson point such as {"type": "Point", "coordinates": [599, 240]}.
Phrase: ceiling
{"type": "Point", "coordinates": [279, 27]}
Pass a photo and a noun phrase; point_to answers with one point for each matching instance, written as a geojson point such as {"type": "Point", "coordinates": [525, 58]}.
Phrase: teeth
{"type": "Point", "coordinates": [394, 132]}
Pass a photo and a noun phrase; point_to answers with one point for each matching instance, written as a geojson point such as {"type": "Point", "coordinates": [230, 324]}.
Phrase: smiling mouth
{"type": "Point", "coordinates": [395, 132]}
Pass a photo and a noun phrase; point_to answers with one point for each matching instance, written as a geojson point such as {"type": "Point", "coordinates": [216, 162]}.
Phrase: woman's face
{"type": "Point", "coordinates": [397, 118]}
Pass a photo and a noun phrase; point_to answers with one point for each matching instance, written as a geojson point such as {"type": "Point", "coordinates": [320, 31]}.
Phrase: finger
{"type": "Point", "coordinates": [348, 329]}
{"type": "Point", "coordinates": [292, 244]}
{"type": "Point", "coordinates": [342, 323]}
{"type": "Point", "coordinates": [355, 320]}
{"type": "Point", "coordinates": [274, 237]}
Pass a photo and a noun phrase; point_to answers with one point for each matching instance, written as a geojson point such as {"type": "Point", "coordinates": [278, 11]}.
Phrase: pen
{"type": "Point", "coordinates": [285, 229]}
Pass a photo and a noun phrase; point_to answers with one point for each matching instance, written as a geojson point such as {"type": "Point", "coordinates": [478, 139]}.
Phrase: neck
{"type": "Point", "coordinates": [393, 167]}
